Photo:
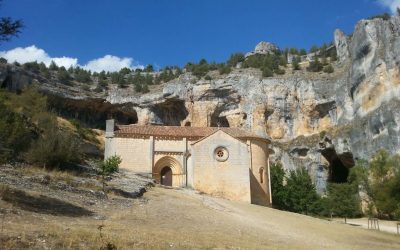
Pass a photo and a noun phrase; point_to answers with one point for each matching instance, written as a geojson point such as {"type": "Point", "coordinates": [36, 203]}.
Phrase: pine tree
{"type": "Point", "coordinates": [300, 192]}
{"type": "Point", "coordinates": [9, 28]}
{"type": "Point", "coordinates": [344, 200]}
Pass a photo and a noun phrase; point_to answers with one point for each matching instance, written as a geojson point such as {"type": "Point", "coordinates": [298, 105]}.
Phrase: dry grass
{"type": "Point", "coordinates": [64, 123]}
{"type": "Point", "coordinates": [181, 219]}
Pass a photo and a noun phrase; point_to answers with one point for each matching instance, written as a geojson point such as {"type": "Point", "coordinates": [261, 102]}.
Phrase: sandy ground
{"type": "Point", "coordinates": [183, 219]}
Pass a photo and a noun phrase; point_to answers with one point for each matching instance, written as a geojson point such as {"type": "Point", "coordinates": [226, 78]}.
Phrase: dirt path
{"type": "Point", "coordinates": [384, 225]}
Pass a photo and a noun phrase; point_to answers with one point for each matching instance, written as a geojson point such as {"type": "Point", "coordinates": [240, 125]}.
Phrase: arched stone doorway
{"type": "Point", "coordinates": [166, 176]}
{"type": "Point", "coordinates": [168, 171]}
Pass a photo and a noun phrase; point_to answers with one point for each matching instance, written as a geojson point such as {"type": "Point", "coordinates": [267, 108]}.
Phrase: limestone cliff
{"type": "Point", "coordinates": [322, 121]}
{"type": "Point", "coordinates": [319, 120]}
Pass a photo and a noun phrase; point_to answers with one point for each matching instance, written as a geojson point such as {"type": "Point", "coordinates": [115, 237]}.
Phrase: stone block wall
{"type": "Point", "coordinates": [228, 179]}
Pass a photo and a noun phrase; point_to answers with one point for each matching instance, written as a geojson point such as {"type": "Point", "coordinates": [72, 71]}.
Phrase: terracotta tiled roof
{"type": "Point", "coordinates": [177, 131]}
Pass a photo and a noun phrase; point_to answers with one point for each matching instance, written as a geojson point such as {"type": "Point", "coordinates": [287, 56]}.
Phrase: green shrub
{"type": "Point", "coordinates": [385, 16]}
{"type": "Point", "coordinates": [63, 76]}
{"type": "Point", "coordinates": [53, 66]}
{"type": "Point", "coordinates": [315, 66]}
{"type": "Point", "coordinates": [32, 66]}
{"type": "Point", "coordinates": [296, 63]}
{"type": "Point", "coordinates": [54, 147]}
{"type": "Point", "coordinates": [267, 72]}
{"type": "Point", "coordinates": [329, 69]}
{"type": "Point", "coordinates": [278, 191]}
{"type": "Point", "coordinates": [235, 59]}
{"type": "Point", "coordinates": [224, 69]}
{"type": "Point", "coordinates": [85, 133]}
{"type": "Point", "coordinates": [149, 68]}
{"type": "Point", "coordinates": [82, 75]}
{"type": "Point", "coordinates": [380, 180]}
{"type": "Point", "coordinates": [110, 165]}
{"type": "Point", "coordinates": [344, 200]}
{"type": "Point", "coordinates": [15, 134]}
{"type": "Point", "coordinates": [208, 78]}
{"type": "Point", "coordinates": [145, 88]}
{"type": "Point", "coordinates": [300, 192]}
{"type": "Point", "coordinates": [279, 71]}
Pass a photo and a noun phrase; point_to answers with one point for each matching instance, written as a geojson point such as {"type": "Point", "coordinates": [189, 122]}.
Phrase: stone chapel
{"type": "Point", "coordinates": [227, 162]}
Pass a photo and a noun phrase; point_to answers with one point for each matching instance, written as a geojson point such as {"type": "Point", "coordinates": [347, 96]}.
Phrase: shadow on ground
{"type": "Point", "coordinates": [43, 204]}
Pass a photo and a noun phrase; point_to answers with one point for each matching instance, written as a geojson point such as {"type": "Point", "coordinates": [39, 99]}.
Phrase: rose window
{"type": "Point", "coordinates": [221, 154]}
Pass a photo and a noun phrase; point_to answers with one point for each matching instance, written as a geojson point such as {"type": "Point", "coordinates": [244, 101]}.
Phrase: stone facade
{"type": "Point", "coordinates": [225, 162]}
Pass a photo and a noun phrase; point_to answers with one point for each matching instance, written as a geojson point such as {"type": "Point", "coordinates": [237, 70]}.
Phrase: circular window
{"type": "Point", "coordinates": [221, 154]}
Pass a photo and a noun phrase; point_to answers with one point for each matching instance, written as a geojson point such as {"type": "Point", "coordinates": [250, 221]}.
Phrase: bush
{"type": "Point", "coordinates": [32, 66]}
{"type": "Point", "coordinates": [82, 75]}
{"type": "Point", "coordinates": [199, 70]}
{"type": "Point", "coordinates": [380, 180]}
{"type": "Point", "coordinates": [277, 187]}
{"type": "Point", "coordinates": [63, 76]}
{"type": "Point", "coordinates": [296, 63]}
{"type": "Point", "coordinates": [53, 66]}
{"type": "Point", "coordinates": [15, 135]}
{"type": "Point", "coordinates": [343, 200]}
{"type": "Point", "coordinates": [329, 69]}
{"type": "Point", "coordinates": [145, 88]}
{"type": "Point", "coordinates": [300, 192]}
{"type": "Point", "coordinates": [149, 68]}
{"type": "Point", "coordinates": [208, 78]}
{"type": "Point", "coordinates": [110, 165]}
{"type": "Point", "coordinates": [298, 195]}
{"type": "Point", "coordinates": [279, 71]}
{"type": "Point", "coordinates": [235, 59]}
{"type": "Point", "coordinates": [385, 16]}
{"type": "Point", "coordinates": [315, 66]}
{"type": "Point", "coordinates": [54, 147]}
{"type": "Point", "coordinates": [224, 69]}
{"type": "Point", "coordinates": [267, 72]}
{"type": "Point", "coordinates": [85, 133]}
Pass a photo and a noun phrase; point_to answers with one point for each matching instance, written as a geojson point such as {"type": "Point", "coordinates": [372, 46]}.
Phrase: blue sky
{"type": "Point", "coordinates": [173, 32]}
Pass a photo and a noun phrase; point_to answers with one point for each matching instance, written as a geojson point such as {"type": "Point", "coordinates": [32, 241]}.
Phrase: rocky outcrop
{"type": "Point", "coordinates": [263, 48]}
{"type": "Point", "coordinates": [341, 45]}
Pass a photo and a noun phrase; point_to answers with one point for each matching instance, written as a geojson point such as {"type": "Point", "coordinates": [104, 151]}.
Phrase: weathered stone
{"type": "Point", "coordinates": [342, 48]}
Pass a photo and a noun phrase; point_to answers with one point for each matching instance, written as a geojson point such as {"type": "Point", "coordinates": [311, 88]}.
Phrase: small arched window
{"type": "Point", "coordinates": [261, 171]}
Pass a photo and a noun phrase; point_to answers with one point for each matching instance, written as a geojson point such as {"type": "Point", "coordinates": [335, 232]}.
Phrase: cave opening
{"type": "Point", "coordinates": [339, 165]}
{"type": "Point", "coordinates": [338, 171]}
{"type": "Point", "coordinates": [171, 112]}
{"type": "Point", "coordinates": [92, 112]}
{"type": "Point", "coordinates": [219, 122]}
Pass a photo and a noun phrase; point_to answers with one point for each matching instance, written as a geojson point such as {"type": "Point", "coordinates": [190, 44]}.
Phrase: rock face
{"type": "Point", "coordinates": [263, 48]}
{"type": "Point", "coordinates": [322, 121]}
{"type": "Point", "coordinates": [341, 45]}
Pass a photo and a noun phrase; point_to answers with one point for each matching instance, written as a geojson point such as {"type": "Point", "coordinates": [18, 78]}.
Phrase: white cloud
{"type": "Point", "coordinates": [391, 4]}
{"type": "Point", "coordinates": [110, 63]}
{"type": "Point", "coordinates": [32, 53]}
